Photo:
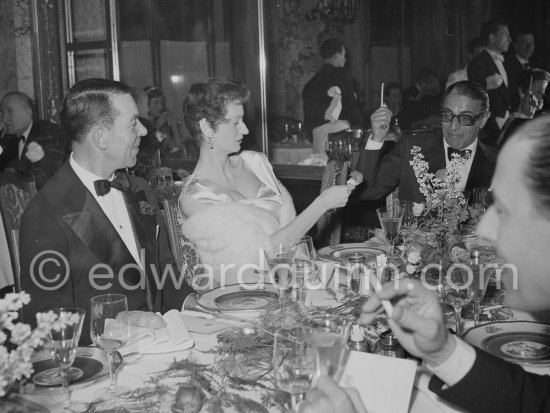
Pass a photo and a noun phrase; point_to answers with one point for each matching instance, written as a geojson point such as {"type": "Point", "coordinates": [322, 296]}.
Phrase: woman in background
{"type": "Point", "coordinates": [168, 127]}
{"type": "Point", "coordinates": [233, 204]}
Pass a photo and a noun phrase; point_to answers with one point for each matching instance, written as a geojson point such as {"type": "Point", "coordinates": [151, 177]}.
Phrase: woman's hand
{"type": "Point", "coordinates": [335, 196]}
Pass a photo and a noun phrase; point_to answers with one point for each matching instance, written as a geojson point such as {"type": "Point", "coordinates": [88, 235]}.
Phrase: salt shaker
{"type": "Point", "coordinates": [358, 341]}
{"type": "Point", "coordinates": [390, 347]}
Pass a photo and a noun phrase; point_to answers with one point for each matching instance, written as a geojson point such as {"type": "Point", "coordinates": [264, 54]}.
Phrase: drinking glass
{"type": "Point", "coordinates": [457, 289]}
{"type": "Point", "coordinates": [110, 329]}
{"type": "Point", "coordinates": [481, 256]}
{"type": "Point", "coordinates": [62, 345]}
{"type": "Point", "coordinates": [390, 219]}
{"type": "Point", "coordinates": [303, 263]}
{"type": "Point", "coordinates": [279, 261]}
{"type": "Point", "coordinates": [408, 223]}
{"type": "Point", "coordinates": [293, 364]}
{"type": "Point", "coordinates": [479, 200]}
{"type": "Point", "coordinates": [328, 335]}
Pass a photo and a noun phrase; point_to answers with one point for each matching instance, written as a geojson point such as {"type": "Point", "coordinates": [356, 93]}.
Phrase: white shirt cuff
{"type": "Point", "coordinates": [457, 365]}
{"type": "Point", "coordinates": [1, 150]}
{"type": "Point", "coordinates": [372, 145]}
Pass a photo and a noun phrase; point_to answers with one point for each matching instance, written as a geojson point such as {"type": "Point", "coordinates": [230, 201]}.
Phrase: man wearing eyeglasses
{"type": "Point", "coordinates": [464, 111]}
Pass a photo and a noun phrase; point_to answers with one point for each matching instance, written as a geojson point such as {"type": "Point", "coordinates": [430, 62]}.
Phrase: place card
{"type": "Point", "coordinates": [384, 383]}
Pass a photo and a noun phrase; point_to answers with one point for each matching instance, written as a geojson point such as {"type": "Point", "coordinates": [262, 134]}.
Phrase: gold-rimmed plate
{"type": "Point", "coordinates": [521, 342]}
{"type": "Point", "coordinates": [342, 252]}
{"type": "Point", "coordinates": [240, 297]}
{"type": "Point", "coordinates": [89, 365]}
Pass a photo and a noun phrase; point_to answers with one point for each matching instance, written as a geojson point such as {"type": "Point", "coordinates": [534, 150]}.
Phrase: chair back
{"type": "Point", "coordinates": [184, 250]}
{"type": "Point", "coordinates": [329, 226]}
{"type": "Point", "coordinates": [15, 195]}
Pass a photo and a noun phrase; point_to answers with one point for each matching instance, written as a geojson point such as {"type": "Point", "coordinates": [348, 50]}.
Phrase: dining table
{"type": "Point", "coordinates": [141, 370]}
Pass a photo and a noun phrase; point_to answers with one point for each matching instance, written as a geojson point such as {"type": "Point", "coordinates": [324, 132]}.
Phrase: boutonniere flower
{"type": "Point", "coordinates": [147, 208]}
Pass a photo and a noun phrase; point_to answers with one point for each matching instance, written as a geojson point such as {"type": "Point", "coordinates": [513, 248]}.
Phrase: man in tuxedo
{"type": "Point", "coordinates": [35, 149]}
{"type": "Point", "coordinates": [488, 69]}
{"type": "Point", "coordinates": [517, 61]}
{"type": "Point", "coordinates": [518, 226]}
{"type": "Point", "coordinates": [92, 231]}
{"type": "Point", "coordinates": [332, 73]}
{"type": "Point", "coordinates": [464, 111]}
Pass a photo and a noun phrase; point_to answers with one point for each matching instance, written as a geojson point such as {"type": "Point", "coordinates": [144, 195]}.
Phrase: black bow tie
{"type": "Point", "coordinates": [103, 186]}
{"type": "Point", "coordinates": [462, 152]}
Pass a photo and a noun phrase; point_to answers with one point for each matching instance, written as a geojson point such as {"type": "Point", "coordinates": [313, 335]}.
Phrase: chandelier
{"type": "Point", "coordinates": [334, 11]}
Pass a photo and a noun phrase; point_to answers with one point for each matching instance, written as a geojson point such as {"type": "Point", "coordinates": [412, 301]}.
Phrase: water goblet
{"type": "Point", "coordinates": [279, 261]}
{"type": "Point", "coordinates": [110, 329]}
{"type": "Point", "coordinates": [408, 223]}
{"type": "Point", "coordinates": [303, 264]}
{"type": "Point", "coordinates": [293, 364]}
{"type": "Point", "coordinates": [457, 291]}
{"type": "Point", "coordinates": [390, 219]}
{"type": "Point", "coordinates": [63, 343]}
{"type": "Point", "coordinates": [482, 272]}
{"type": "Point", "coordinates": [328, 334]}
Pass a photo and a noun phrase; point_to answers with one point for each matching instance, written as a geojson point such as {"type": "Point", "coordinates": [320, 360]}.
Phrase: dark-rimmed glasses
{"type": "Point", "coordinates": [463, 118]}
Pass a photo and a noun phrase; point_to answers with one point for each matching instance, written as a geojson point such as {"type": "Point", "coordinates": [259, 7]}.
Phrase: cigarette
{"type": "Point", "coordinates": [382, 95]}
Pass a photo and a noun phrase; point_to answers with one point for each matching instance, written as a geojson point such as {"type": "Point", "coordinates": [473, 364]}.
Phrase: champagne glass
{"type": "Point", "coordinates": [303, 263]}
{"type": "Point", "coordinates": [408, 223]}
{"type": "Point", "coordinates": [457, 289]}
{"type": "Point", "coordinates": [293, 365]}
{"type": "Point", "coordinates": [481, 275]}
{"type": "Point", "coordinates": [62, 344]}
{"type": "Point", "coordinates": [279, 261]}
{"type": "Point", "coordinates": [110, 329]}
{"type": "Point", "coordinates": [328, 335]}
{"type": "Point", "coordinates": [390, 219]}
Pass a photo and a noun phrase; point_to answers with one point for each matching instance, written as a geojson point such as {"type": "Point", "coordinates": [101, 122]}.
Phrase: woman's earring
{"type": "Point", "coordinates": [210, 146]}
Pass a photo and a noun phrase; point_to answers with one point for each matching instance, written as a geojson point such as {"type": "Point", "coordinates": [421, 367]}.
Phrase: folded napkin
{"type": "Point", "coordinates": [174, 337]}
{"type": "Point", "coordinates": [384, 383]}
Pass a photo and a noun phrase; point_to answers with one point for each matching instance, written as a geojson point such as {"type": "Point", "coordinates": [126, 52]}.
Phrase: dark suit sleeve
{"type": "Point", "coordinates": [493, 385]}
{"type": "Point", "coordinates": [42, 238]}
{"type": "Point", "coordinates": [381, 173]}
{"type": "Point", "coordinates": [477, 73]}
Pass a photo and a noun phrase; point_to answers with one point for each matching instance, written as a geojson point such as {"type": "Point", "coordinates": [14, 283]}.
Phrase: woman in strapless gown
{"type": "Point", "coordinates": [232, 203]}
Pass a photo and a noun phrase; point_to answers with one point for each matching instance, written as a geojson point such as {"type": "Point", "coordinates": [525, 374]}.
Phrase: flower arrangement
{"type": "Point", "coordinates": [161, 181]}
{"type": "Point", "coordinates": [18, 341]}
{"type": "Point", "coordinates": [446, 205]}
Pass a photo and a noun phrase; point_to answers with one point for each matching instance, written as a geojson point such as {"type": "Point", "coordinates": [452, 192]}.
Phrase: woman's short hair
{"type": "Point", "coordinates": [209, 99]}
{"type": "Point", "coordinates": [471, 89]}
{"type": "Point", "coordinates": [88, 103]}
{"type": "Point", "coordinates": [537, 168]}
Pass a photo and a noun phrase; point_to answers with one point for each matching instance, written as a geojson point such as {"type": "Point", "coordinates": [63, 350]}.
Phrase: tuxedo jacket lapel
{"type": "Point", "coordinates": [92, 226]}
{"type": "Point", "coordinates": [144, 224]}
{"type": "Point", "coordinates": [480, 173]}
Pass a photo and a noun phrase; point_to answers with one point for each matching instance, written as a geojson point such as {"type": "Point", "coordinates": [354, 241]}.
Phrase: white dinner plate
{"type": "Point", "coordinates": [89, 365]}
{"type": "Point", "coordinates": [521, 342]}
{"type": "Point", "coordinates": [342, 252]}
{"type": "Point", "coordinates": [240, 297]}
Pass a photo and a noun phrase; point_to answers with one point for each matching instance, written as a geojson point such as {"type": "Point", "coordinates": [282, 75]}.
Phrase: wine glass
{"type": "Point", "coordinates": [110, 329]}
{"type": "Point", "coordinates": [390, 219]}
{"type": "Point", "coordinates": [457, 290]}
{"type": "Point", "coordinates": [408, 223]}
{"type": "Point", "coordinates": [328, 335]}
{"type": "Point", "coordinates": [62, 344]}
{"type": "Point", "coordinates": [279, 261]}
{"type": "Point", "coordinates": [293, 364]}
{"type": "Point", "coordinates": [303, 263]}
{"type": "Point", "coordinates": [481, 276]}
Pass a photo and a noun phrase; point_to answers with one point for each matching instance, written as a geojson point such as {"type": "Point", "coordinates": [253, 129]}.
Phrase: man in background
{"type": "Point", "coordinates": [517, 60]}
{"type": "Point", "coordinates": [35, 149]}
{"type": "Point", "coordinates": [488, 69]}
{"type": "Point", "coordinates": [332, 73]}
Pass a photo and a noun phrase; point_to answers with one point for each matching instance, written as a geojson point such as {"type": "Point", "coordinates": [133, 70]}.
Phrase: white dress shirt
{"type": "Point", "coordinates": [457, 365]}
{"type": "Point", "coordinates": [113, 206]}
{"type": "Point", "coordinates": [499, 62]}
{"type": "Point", "coordinates": [467, 166]}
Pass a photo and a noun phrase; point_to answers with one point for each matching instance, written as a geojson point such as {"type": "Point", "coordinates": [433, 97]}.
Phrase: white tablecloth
{"type": "Point", "coordinates": [134, 375]}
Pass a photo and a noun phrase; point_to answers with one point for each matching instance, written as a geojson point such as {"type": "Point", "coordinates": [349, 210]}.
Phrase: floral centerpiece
{"type": "Point", "coordinates": [446, 206]}
{"type": "Point", "coordinates": [162, 182]}
{"type": "Point", "coordinates": [18, 341]}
